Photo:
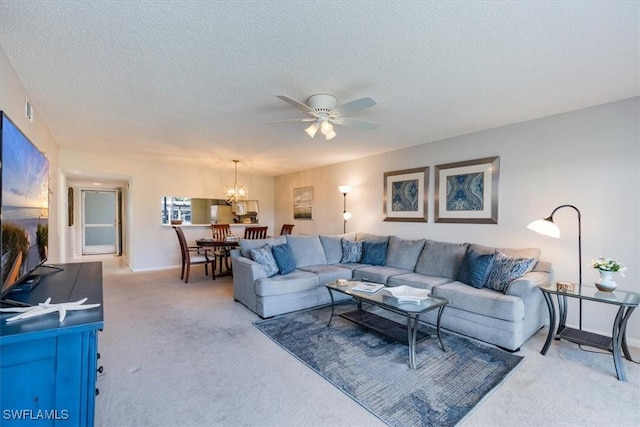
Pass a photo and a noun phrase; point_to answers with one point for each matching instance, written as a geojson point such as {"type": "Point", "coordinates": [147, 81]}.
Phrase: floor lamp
{"type": "Point", "coordinates": [547, 227]}
{"type": "Point", "coordinates": [346, 215]}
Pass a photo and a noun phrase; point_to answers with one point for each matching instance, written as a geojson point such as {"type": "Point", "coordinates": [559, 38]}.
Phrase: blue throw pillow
{"type": "Point", "coordinates": [265, 257]}
{"type": "Point", "coordinates": [506, 269]}
{"type": "Point", "coordinates": [374, 253]}
{"type": "Point", "coordinates": [351, 251]}
{"type": "Point", "coordinates": [284, 258]}
{"type": "Point", "coordinates": [475, 269]}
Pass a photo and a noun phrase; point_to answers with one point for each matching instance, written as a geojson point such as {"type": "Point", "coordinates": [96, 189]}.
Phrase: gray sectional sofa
{"type": "Point", "coordinates": [492, 292]}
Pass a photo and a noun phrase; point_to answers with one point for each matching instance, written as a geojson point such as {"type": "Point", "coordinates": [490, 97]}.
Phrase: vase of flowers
{"type": "Point", "coordinates": [606, 267]}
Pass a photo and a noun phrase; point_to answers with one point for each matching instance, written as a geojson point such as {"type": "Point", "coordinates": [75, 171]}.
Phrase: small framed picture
{"type": "Point", "coordinates": [467, 192]}
{"type": "Point", "coordinates": [303, 203]}
{"type": "Point", "coordinates": [405, 195]}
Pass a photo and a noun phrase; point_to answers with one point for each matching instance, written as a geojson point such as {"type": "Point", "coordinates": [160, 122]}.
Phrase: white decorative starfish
{"type": "Point", "coordinates": [46, 308]}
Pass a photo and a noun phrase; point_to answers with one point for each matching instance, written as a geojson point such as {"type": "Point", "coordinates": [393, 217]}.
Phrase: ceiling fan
{"type": "Point", "coordinates": [325, 112]}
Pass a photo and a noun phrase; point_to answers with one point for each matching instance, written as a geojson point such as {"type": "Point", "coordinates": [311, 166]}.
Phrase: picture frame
{"type": "Point", "coordinates": [405, 195]}
{"type": "Point", "coordinates": [303, 203]}
{"type": "Point", "coordinates": [467, 192]}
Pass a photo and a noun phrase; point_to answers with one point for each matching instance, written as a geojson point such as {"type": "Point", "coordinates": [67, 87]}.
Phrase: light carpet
{"type": "Point", "coordinates": [373, 369]}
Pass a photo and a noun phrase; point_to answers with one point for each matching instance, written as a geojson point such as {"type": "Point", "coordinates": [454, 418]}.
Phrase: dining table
{"type": "Point", "coordinates": [219, 244]}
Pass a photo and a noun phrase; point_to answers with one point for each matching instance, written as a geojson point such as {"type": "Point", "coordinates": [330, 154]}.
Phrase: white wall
{"type": "Point", "coordinates": [150, 245]}
{"type": "Point", "coordinates": [589, 158]}
{"type": "Point", "coordinates": [12, 102]}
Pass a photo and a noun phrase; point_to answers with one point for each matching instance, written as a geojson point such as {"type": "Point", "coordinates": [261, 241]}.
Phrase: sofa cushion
{"type": "Point", "coordinates": [441, 258]}
{"type": "Point", "coordinates": [351, 251]}
{"type": "Point", "coordinates": [374, 253]}
{"type": "Point", "coordinates": [505, 269]}
{"type": "Point", "coordinates": [306, 249]}
{"type": "Point", "coordinates": [328, 273]}
{"type": "Point", "coordinates": [296, 281]}
{"type": "Point", "coordinates": [247, 244]}
{"type": "Point", "coordinates": [332, 246]}
{"type": "Point", "coordinates": [352, 265]}
{"type": "Point", "coordinates": [284, 258]}
{"type": "Point", "coordinates": [483, 301]}
{"type": "Point", "coordinates": [404, 253]}
{"type": "Point", "coordinates": [376, 273]}
{"type": "Point", "coordinates": [264, 256]}
{"type": "Point", "coordinates": [475, 268]}
{"type": "Point", "coordinates": [417, 280]}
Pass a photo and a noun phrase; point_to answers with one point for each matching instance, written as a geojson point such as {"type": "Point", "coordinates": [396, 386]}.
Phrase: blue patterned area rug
{"type": "Point", "coordinates": [373, 370]}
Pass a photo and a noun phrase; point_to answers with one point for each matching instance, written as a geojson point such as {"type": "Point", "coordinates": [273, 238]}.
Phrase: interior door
{"type": "Point", "coordinates": [99, 222]}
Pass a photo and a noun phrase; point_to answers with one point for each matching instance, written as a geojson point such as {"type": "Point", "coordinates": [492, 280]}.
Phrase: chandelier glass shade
{"type": "Point", "coordinates": [237, 193]}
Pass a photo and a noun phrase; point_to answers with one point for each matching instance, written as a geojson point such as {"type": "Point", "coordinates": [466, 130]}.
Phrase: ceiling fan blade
{"type": "Point", "coordinates": [356, 106]}
{"type": "Point", "coordinates": [362, 124]}
{"type": "Point", "coordinates": [297, 104]}
{"type": "Point", "coordinates": [306, 119]}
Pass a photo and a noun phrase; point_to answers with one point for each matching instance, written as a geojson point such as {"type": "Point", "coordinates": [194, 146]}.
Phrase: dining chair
{"type": "Point", "coordinates": [255, 232]}
{"type": "Point", "coordinates": [221, 232]}
{"type": "Point", "coordinates": [286, 229]}
{"type": "Point", "coordinates": [192, 255]}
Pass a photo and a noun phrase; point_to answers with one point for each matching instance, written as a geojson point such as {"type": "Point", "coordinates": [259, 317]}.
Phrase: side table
{"type": "Point", "coordinates": [616, 344]}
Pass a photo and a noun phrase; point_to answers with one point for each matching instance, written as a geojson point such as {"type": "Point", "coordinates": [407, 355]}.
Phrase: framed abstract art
{"type": "Point", "coordinates": [405, 195]}
{"type": "Point", "coordinates": [467, 192]}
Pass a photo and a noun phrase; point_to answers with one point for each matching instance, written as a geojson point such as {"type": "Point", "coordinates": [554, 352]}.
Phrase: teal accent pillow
{"type": "Point", "coordinates": [284, 258]}
{"type": "Point", "coordinates": [265, 257]}
{"type": "Point", "coordinates": [506, 269]}
{"type": "Point", "coordinates": [351, 251]}
{"type": "Point", "coordinates": [475, 269]}
{"type": "Point", "coordinates": [374, 253]}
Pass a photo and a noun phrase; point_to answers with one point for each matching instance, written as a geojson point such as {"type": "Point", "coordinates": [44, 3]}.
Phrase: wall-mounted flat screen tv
{"type": "Point", "coordinates": [24, 205]}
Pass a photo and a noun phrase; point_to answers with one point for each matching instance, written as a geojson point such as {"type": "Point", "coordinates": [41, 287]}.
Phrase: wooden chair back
{"type": "Point", "coordinates": [286, 229]}
{"type": "Point", "coordinates": [220, 231]}
{"type": "Point", "coordinates": [184, 247]}
{"type": "Point", "coordinates": [255, 232]}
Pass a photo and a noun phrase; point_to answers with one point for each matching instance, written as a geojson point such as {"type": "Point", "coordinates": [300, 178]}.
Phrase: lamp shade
{"type": "Point", "coordinates": [346, 215]}
{"type": "Point", "coordinates": [344, 189]}
{"type": "Point", "coordinates": [546, 227]}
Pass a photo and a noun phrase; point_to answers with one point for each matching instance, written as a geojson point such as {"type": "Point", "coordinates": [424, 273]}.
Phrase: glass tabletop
{"type": "Point", "coordinates": [592, 293]}
{"type": "Point", "coordinates": [385, 299]}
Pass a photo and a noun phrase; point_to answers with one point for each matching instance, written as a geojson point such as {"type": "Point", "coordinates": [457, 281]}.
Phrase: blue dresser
{"type": "Point", "coordinates": [48, 370]}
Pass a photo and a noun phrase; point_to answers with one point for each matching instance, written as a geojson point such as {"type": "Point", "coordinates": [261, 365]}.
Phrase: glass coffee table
{"type": "Point", "coordinates": [409, 334]}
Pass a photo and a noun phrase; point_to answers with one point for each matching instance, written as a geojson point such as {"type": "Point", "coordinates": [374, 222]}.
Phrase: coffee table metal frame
{"type": "Point", "coordinates": [411, 336]}
{"type": "Point", "coordinates": [627, 302]}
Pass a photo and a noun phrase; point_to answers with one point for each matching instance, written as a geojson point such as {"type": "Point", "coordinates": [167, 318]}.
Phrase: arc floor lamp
{"type": "Point", "coordinates": [547, 227]}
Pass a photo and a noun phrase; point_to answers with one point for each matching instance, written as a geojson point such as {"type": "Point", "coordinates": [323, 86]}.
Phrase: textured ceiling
{"type": "Point", "coordinates": [195, 81]}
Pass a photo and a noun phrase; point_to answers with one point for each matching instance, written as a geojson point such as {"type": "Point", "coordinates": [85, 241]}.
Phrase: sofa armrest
{"type": "Point", "coordinates": [247, 270]}
{"type": "Point", "coordinates": [528, 283]}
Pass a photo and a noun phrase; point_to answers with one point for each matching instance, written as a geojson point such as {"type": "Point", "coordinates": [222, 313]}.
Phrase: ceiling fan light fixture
{"type": "Point", "coordinates": [311, 130]}
{"type": "Point", "coordinates": [326, 128]}
{"type": "Point", "coordinates": [331, 135]}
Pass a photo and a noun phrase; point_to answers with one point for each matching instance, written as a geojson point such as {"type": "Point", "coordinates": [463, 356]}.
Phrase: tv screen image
{"type": "Point", "coordinates": [24, 205]}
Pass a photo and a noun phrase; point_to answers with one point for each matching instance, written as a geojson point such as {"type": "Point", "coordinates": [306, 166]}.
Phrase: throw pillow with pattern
{"type": "Point", "coordinates": [351, 251]}
{"type": "Point", "coordinates": [265, 257]}
{"type": "Point", "coordinates": [506, 269]}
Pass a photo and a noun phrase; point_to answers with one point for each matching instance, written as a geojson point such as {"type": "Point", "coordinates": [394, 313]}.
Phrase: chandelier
{"type": "Point", "coordinates": [237, 193]}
